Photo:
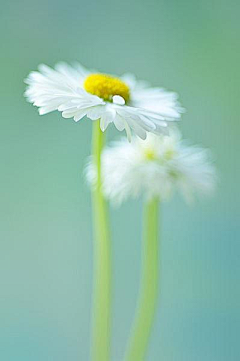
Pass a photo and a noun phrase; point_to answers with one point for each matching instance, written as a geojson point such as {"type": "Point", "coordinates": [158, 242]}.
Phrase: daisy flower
{"type": "Point", "coordinates": [154, 168]}
{"type": "Point", "coordinates": [124, 101]}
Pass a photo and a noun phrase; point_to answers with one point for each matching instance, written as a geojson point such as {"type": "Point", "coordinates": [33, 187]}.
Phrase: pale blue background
{"type": "Point", "coordinates": [46, 240]}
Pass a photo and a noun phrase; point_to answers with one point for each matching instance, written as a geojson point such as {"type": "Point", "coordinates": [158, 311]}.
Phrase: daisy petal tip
{"type": "Point", "coordinates": [117, 99]}
{"type": "Point", "coordinates": [103, 127]}
{"type": "Point", "coordinates": [129, 137]}
{"type": "Point", "coordinates": [41, 111]}
{"type": "Point", "coordinates": [144, 136]}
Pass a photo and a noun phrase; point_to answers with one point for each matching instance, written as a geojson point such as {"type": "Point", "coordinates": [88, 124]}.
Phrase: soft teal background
{"type": "Point", "coordinates": [46, 237]}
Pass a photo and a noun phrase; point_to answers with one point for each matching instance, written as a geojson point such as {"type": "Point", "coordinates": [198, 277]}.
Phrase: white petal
{"type": "Point", "coordinates": [128, 131]}
{"type": "Point", "coordinates": [117, 99]}
{"type": "Point", "coordinates": [119, 124]}
{"type": "Point", "coordinates": [60, 89]}
{"type": "Point", "coordinates": [96, 112]}
{"type": "Point", "coordinates": [158, 101]}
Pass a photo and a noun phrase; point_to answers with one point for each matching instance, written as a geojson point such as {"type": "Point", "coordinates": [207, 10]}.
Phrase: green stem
{"type": "Point", "coordinates": [149, 286]}
{"type": "Point", "coordinates": [102, 273]}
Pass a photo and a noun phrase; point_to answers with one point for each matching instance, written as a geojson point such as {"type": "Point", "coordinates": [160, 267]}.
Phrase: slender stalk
{"type": "Point", "coordinates": [149, 285]}
{"type": "Point", "coordinates": [102, 272]}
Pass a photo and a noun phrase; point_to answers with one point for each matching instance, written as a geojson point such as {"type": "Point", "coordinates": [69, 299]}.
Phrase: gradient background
{"type": "Point", "coordinates": [46, 238]}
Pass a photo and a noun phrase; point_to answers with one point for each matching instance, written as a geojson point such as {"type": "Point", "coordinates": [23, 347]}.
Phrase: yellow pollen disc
{"type": "Point", "coordinates": [150, 154]}
{"type": "Point", "coordinates": [106, 86]}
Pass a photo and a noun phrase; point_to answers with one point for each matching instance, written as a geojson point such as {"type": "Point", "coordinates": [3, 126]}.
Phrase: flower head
{"type": "Point", "coordinates": [155, 167]}
{"type": "Point", "coordinates": [126, 102]}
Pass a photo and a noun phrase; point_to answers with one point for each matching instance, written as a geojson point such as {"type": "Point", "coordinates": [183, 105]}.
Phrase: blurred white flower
{"type": "Point", "coordinates": [126, 102]}
{"type": "Point", "coordinates": [155, 167]}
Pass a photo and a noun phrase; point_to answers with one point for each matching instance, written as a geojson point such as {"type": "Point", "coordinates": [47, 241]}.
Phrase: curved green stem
{"type": "Point", "coordinates": [149, 286]}
{"type": "Point", "coordinates": [102, 272]}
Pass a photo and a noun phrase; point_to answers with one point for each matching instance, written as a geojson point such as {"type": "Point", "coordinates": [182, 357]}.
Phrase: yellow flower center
{"type": "Point", "coordinates": [149, 154]}
{"type": "Point", "coordinates": [106, 86]}
{"type": "Point", "coordinates": [152, 155]}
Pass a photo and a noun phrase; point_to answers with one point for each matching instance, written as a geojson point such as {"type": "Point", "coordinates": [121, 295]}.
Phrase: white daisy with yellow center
{"type": "Point", "coordinates": [126, 102]}
{"type": "Point", "coordinates": [154, 168]}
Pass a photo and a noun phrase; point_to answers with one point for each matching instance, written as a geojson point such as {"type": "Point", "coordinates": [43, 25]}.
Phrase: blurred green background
{"type": "Point", "coordinates": [46, 263]}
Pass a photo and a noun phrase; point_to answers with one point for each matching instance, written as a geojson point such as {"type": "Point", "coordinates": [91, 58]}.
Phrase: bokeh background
{"type": "Point", "coordinates": [191, 47]}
